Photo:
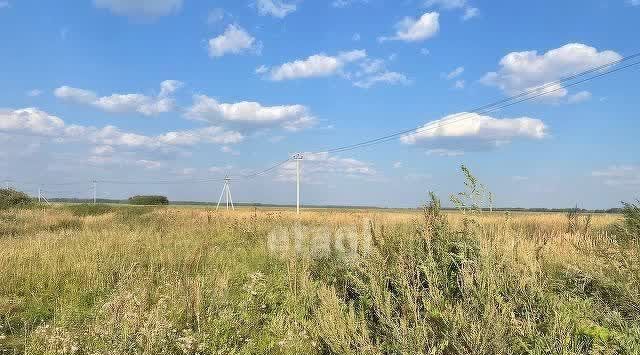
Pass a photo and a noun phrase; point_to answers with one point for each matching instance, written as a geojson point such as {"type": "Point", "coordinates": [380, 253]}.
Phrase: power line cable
{"type": "Point", "coordinates": [525, 96]}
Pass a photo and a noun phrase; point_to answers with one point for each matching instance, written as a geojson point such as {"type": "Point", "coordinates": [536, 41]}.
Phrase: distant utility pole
{"type": "Point", "coordinates": [39, 195]}
{"type": "Point", "coordinates": [94, 192]}
{"type": "Point", "coordinates": [226, 191]}
{"type": "Point", "coordinates": [298, 158]}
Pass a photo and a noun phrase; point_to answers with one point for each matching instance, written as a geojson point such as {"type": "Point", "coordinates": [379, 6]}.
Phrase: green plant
{"type": "Point", "coordinates": [629, 228]}
{"type": "Point", "coordinates": [84, 210]}
{"type": "Point", "coordinates": [148, 200]}
{"type": "Point", "coordinates": [10, 198]}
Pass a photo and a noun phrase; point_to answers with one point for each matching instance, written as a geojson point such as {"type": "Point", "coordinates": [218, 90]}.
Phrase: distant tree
{"type": "Point", "coordinates": [10, 198]}
{"type": "Point", "coordinates": [148, 200]}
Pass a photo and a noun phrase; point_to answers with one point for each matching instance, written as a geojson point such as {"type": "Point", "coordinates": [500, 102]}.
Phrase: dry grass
{"type": "Point", "coordinates": [124, 280]}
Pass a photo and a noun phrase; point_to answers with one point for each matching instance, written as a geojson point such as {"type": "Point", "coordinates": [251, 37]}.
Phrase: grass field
{"type": "Point", "coordinates": [175, 280]}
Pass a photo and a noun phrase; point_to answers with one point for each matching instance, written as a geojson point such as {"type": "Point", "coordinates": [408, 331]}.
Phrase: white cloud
{"type": "Point", "coordinates": [275, 8]}
{"type": "Point", "coordinates": [102, 150]}
{"type": "Point", "coordinates": [4, 4]}
{"type": "Point", "coordinates": [520, 71]}
{"type": "Point", "coordinates": [355, 65]}
{"type": "Point", "coordinates": [345, 3]}
{"type": "Point", "coordinates": [579, 97]}
{"type": "Point", "coordinates": [262, 69]}
{"type": "Point", "coordinates": [220, 169]}
{"type": "Point", "coordinates": [32, 121]}
{"type": "Point", "coordinates": [234, 40]}
{"type": "Point", "coordinates": [387, 77]}
{"type": "Point", "coordinates": [317, 65]}
{"type": "Point", "coordinates": [124, 103]}
{"type": "Point", "coordinates": [454, 73]}
{"type": "Point", "coordinates": [318, 166]}
{"type": "Point", "coordinates": [469, 11]}
{"type": "Point", "coordinates": [459, 84]}
{"type": "Point", "coordinates": [76, 95]}
{"type": "Point", "coordinates": [619, 175]}
{"type": "Point", "coordinates": [140, 8]}
{"type": "Point", "coordinates": [445, 152]}
{"type": "Point", "coordinates": [34, 93]}
{"type": "Point", "coordinates": [149, 164]}
{"type": "Point", "coordinates": [356, 37]}
{"type": "Point", "coordinates": [290, 117]}
{"type": "Point", "coordinates": [413, 30]}
{"type": "Point", "coordinates": [168, 87]}
{"type": "Point", "coordinates": [446, 4]}
{"type": "Point", "coordinates": [471, 131]}
{"type": "Point", "coordinates": [397, 165]}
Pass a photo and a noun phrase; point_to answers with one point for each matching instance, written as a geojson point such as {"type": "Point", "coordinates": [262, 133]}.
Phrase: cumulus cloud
{"type": "Point", "coordinates": [469, 11]}
{"type": "Point", "coordinates": [275, 8]}
{"type": "Point", "coordinates": [248, 113]}
{"type": "Point", "coordinates": [124, 103]}
{"type": "Point", "coordinates": [234, 40]}
{"type": "Point", "coordinates": [353, 65]}
{"type": "Point", "coordinates": [32, 121]}
{"type": "Point", "coordinates": [320, 165]}
{"type": "Point", "coordinates": [520, 71]}
{"type": "Point", "coordinates": [414, 30]}
{"type": "Point", "coordinates": [471, 131]}
{"type": "Point", "coordinates": [317, 65]}
{"type": "Point", "coordinates": [619, 175]}
{"type": "Point", "coordinates": [140, 8]}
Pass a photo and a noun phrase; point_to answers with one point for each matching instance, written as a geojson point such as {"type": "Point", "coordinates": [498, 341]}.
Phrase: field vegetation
{"type": "Point", "coordinates": [99, 279]}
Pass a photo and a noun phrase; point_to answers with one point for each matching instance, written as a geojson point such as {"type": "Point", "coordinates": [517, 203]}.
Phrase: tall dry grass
{"type": "Point", "coordinates": [125, 280]}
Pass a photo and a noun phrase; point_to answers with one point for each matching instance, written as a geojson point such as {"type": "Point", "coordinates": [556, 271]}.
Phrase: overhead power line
{"type": "Point", "coordinates": [526, 95]}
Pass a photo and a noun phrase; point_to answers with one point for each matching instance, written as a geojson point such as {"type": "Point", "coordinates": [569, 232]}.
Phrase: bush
{"type": "Point", "coordinates": [85, 210]}
{"type": "Point", "coordinates": [630, 228]}
{"type": "Point", "coordinates": [148, 200]}
{"type": "Point", "coordinates": [10, 198]}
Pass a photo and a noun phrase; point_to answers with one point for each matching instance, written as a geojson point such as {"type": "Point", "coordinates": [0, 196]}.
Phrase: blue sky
{"type": "Point", "coordinates": [179, 90]}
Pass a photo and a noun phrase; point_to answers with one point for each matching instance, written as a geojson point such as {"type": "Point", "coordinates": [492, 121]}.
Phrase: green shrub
{"type": "Point", "coordinates": [148, 200]}
{"type": "Point", "coordinates": [10, 198]}
{"type": "Point", "coordinates": [629, 229]}
{"type": "Point", "coordinates": [84, 210]}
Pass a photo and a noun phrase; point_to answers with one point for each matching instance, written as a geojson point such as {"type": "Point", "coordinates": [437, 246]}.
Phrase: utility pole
{"type": "Point", "coordinates": [39, 194]}
{"type": "Point", "coordinates": [94, 192]}
{"type": "Point", "coordinates": [226, 192]}
{"type": "Point", "coordinates": [298, 158]}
